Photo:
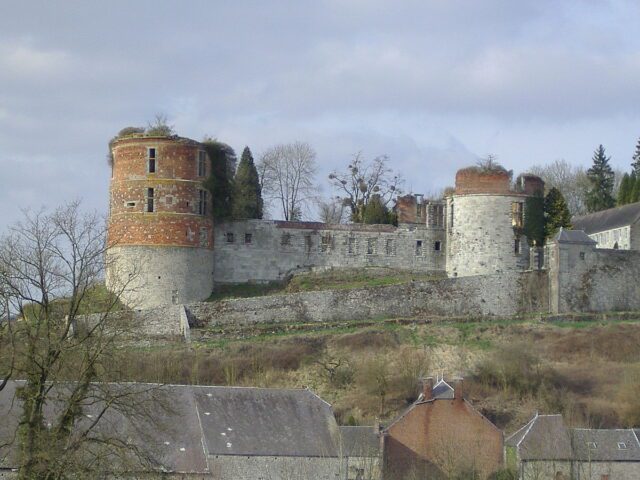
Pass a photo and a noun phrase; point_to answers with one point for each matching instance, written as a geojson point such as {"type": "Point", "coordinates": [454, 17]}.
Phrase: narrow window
{"type": "Point", "coordinates": [451, 215]}
{"type": "Point", "coordinates": [308, 244]}
{"type": "Point", "coordinates": [151, 160]}
{"type": "Point", "coordinates": [285, 239]}
{"type": "Point", "coordinates": [351, 245]}
{"type": "Point", "coordinates": [516, 246]}
{"type": "Point", "coordinates": [437, 245]}
{"type": "Point", "coordinates": [325, 243]}
{"type": "Point", "coordinates": [202, 163]}
{"type": "Point", "coordinates": [230, 237]}
{"type": "Point", "coordinates": [248, 238]}
{"type": "Point", "coordinates": [388, 246]}
{"type": "Point", "coordinates": [371, 246]}
{"type": "Point", "coordinates": [202, 202]}
{"type": "Point", "coordinates": [418, 209]}
{"type": "Point", "coordinates": [517, 214]}
{"type": "Point", "coordinates": [582, 255]}
{"type": "Point", "coordinates": [418, 248]}
{"type": "Point", "coordinates": [150, 205]}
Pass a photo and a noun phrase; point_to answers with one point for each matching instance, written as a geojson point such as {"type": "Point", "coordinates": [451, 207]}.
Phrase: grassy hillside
{"type": "Point", "coordinates": [589, 371]}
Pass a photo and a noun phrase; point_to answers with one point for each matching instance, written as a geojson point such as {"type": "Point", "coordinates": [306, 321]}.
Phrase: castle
{"type": "Point", "coordinates": [165, 248]}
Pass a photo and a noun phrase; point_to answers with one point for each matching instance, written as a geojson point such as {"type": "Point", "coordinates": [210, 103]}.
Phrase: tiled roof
{"type": "Point", "coordinates": [544, 438]}
{"type": "Point", "coordinates": [608, 219]}
{"type": "Point", "coordinates": [573, 236]}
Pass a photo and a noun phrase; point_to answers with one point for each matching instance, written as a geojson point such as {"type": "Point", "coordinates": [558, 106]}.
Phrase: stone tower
{"type": "Point", "coordinates": [160, 227]}
{"type": "Point", "coordinates": [485, 216]}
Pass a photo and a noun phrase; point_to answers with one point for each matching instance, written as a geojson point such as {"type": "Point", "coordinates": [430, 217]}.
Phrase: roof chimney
{"type": "Point", "coordinates": [458, 390]}
{"type": "Point", "coordinates": [427, 388]}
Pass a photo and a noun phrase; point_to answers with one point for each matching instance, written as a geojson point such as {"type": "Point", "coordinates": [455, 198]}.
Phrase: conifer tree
{"type": "Point", "coordinates": [376, 212]}
{"type": "Point", "coordinates": [636, 160]}
{"type": "Point", "coordinates": [601, 179]}
{"type": "Point", "coordinates": [634, 196]}
{"type": "Point", "coordinates": [220, 179]}
{"type": "Point", "coordinates": [625, 190]}
{"type": "Point", "coordinates": [247, 193]}
{"type": "Point", "coordinates": [556, 213]}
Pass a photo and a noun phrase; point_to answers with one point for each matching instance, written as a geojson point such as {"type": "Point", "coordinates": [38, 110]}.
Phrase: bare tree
{"type": "Point", "coordinates": [287, 175]}
{"type": "Point", "coordinates": [331, 211]}
{"type": "Point", "coordinates": [571, 180]}
{"type": "Point", "coordinates": [363, 181]}
{"type": "Point", "coordinates": [51, 269]}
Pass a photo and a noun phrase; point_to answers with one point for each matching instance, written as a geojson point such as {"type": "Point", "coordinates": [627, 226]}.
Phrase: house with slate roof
{"type": "Point", "coordinates": [546, 449]}
{"type": "Point", "coordinates": [617, 228]}
{"type": "Point", "coordinates": [441, 436]}
{"type": "Point", "coordinates": [205, 432]}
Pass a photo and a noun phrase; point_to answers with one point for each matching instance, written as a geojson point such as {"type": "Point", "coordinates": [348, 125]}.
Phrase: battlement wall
{"type": "Point", "coordinates": [266, 250]}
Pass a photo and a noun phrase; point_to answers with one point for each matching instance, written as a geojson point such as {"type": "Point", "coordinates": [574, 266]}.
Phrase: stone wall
{"type": "Point", "coordinates": [264, 250]}
{"type": "Point", "coordinates": [480, 235]}
{"type": "Point", "coordinates": [152, 276]}
{"type": "Point", "coordinates": [230, 467]}
{"type": "Point", "coordinates": [499, 295]}
{"type": "Point", "coordinates": [587, 279]}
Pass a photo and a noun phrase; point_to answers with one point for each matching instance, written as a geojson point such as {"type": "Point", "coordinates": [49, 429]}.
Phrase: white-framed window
{"type": "Point", "coordinates": [150, 200]}
{"type": "Point", "coordinates": [152, 157]}
{"type": "Point", "coordinates": [202, 163]}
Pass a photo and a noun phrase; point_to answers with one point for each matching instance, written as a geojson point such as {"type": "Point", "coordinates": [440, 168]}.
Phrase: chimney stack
{"type": "Point", "coordinates": [458, 390]}
{"type": "Point", "coordinates": [427, 387]}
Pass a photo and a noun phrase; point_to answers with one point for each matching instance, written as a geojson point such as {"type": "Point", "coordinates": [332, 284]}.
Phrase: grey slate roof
{"type": "Point", "coordinates": [608, 219]}
{"type": "Point", "coordinates": [183, 424]}
{"type": "Point", "coordinates": [573, 236]}
{"type": "Point", "coordinates": [442, 390]}
{"type": "Point", "coordinates": [605, 445]}
{"type": "Point", "coordinates": [262, 421]}
{"type": "Point", "coordinates": [360, 441]}
{"type": "Point", "coordinates": [544, 438]}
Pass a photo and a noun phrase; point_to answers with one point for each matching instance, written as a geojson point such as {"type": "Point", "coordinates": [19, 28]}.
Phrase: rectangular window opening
{"type": "Point", "coordinates": [351, 245]}
{"type": "Point", "coordinates": [248, 237]}
{"type": "Point", "coordinates": [325, 243]}
{"type": "Point", "coordinates": [230, 237]}
{"type": "Point", "coordinates": [150, 204]}
{"type": "Point", "coordinates": [388, 246]}
{"type": "Point", "coordinates": [202, 202]}
{"type": "Point", "coordinates": [308, 243]}
{"type": "Point", "coordinates": [517, 246]}
{"type": "Point", "coordinates": [437, 245]}
{"type": "Point", "coordinates": [285, 239]}
{"type": "Point", "coordinates": [202, 163]}
{"type": "Point", "coordinates": [418, 248]}
{"type": "Point", "coordinates": [371, 246]}
{"type": "Point", "coordinates": [517, 214]}
{"type": "Point", "coordinates": [151, 161]}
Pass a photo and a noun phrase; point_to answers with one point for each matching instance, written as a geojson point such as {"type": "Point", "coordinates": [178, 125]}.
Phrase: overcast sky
{"type": "Point", "coordinates": [434, 84]}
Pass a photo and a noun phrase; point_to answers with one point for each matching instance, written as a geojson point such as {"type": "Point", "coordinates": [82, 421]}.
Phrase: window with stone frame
{"type": "Point", "coordinates": [389, 246]}
{"type": "Point", "coordinates": [372, 246]}
{"type": "Point", "coordinates": [517, 246]}
{"type": "Point", "coordinates": [285, 239]}
{"type": "Point", "coordinates": [150, 200]}
{"type": "Point", "coordinates": [351, 245]}
{"type": "Point", "coordinates": [202, 202]}
{"type": "Point", "coordinates": [517, 214]}
{"type": "Point", "coordinates": [418, 248]}
{"type": "Point", "coordinates": [325, 243]}
{"type": "Point", "coordinates": [202, 163]}
{"type": "Point", "coordinates": [437, 245]}
{"type": "Point", "coordinates": [151, 159]}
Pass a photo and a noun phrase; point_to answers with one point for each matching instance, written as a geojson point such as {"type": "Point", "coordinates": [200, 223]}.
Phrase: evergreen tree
{"type": "Point", "coordinates": [376, 212]}
{"type": "Point", "coordinates": [556, 213]}
{"type": "Point", "coordinates": [220, 180]}
{"type": "Point", "coordinates": [247, 193]}
{"type": "Point", "coordinates": [625, 190]}
{"type": "Point", "coordinates": [635, 191]}
{"type": "Point", "coordinates": [601, 180]}
{"type": "Point", "coordinates": [534, 221]}
{"type": "Point", "coordinates": [636, 160]}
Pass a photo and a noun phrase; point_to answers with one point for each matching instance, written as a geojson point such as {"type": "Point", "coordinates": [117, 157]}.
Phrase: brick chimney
{"type": "Point", "coordinates": [458, 390]}
{"type": "Point", "coordinates": [427, 387]}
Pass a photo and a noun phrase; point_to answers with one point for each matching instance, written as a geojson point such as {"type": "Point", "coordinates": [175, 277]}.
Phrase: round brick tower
{"type": "Point", "coordinates": [160, 227]}
{"type": "Point", "coordinates": [485, 220]}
